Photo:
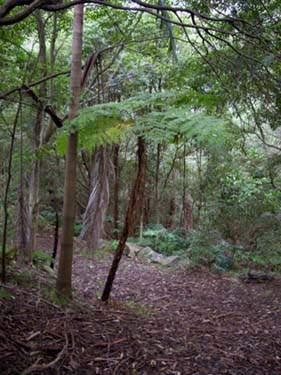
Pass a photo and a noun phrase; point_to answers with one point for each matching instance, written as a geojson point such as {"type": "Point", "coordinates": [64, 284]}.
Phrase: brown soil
{"type": "Point", "coordinates": [158, 322]}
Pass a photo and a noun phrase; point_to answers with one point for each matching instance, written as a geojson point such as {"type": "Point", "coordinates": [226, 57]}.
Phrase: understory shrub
{"type": "Point", "coordinates": [208, 249]}
{"type": "Point", "coordinates": [165, 241]}
{"type": "Point", "coordinates": [47, 217]}
{"type": "Point", "coordinates": [40, 258]}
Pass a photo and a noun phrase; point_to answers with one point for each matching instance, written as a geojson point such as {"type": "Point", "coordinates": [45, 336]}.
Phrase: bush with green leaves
{"type": "Point", "coordinates": [240, 209]}
{"type": "Point", "coordinates": [47, 217]}
{"type": "Point", "coordinates": [77, 228]}
{"type": "Point", "coordinates": [40, 258]}
{"type": "Point", "coordinates": [165, 241]}
{"type": "Point", "coordinates": [208, 249]}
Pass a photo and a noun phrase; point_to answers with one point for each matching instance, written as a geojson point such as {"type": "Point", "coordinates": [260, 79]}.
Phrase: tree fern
{"type": "Point", "coordinates": [170, 116]}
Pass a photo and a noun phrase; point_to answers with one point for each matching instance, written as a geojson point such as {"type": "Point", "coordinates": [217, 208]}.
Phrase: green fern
{"type": "Point", "coordinates": [168, 116]}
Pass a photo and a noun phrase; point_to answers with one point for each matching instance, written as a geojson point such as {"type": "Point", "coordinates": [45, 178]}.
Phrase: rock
{"type": "Point", "coordinates": [132, 249]}
{"type": "Point", "coordinates": [146, 252]}
{"type": "Point", "coordinates": [182, 263]}
{"type": "Point", "coordinates": [172, 260]}
{"type": "Point", "coordinates": [157, 258]}
{"type": "Point", "coordinates": [48, 269]}
{"type": "Point", "coordinates": [103, 243]}
{"type": "Point", "coordinates": [154, 257]}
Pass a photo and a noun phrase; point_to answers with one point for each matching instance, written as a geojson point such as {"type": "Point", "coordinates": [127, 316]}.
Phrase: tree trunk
{"type": "Point", "coordinates": [172, 205]}
{"type": "Point", "coordinates": [116, 191]}
{"type": "Point", "coordinates": [56, 239]}
{"type": "Point", "coordinates": [201, 186]}
{"type": "Point", "coordinates": [157, 198]}
{"type": "Point", "coordinates": [34, 180]}
{"type": "Point", "coordinates": [6, 194]}
{"type": "Point", "coordinates": [187, 214]}
{"type": "Point", "coordinates": [64, 278]}
{"type": "Point", "coordinates": [187, 206]}
{"type": "Point", "coordinates": [51, 128]}
{"type": "Point", "coordinates": [136, 196]}
{"type": "Point", "coordinates": [139, 209]}
{"type": "Point", "coordinates": [22, 219]}
{"type": "Point", "coordinates": [94, 216]}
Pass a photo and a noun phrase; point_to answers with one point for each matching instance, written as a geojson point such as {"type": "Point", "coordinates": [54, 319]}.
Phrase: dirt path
{"type": "Point", "coordinates": [201, 323]}
{"type": "Point", "coordinates": [159, 322]}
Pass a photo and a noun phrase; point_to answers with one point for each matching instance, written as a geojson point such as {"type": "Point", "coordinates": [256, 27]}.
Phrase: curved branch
{"type": "Point", "coordinates": [143, 7]}
{"type": "Point", "coordinates": [5, 21]}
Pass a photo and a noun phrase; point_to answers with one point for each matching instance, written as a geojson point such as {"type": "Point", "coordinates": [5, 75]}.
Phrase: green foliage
{"type": "Point", "coordinates": [208, 249]}
{"type": "Point", "coordinates": [77, 228]}
{"type": "Point", "coordinates": [11, 254]}
{"type": "Point", "coordinates": [165, 241]}
{"type": "Point", "coordinates": [242, 190]}
{"type": "Point", "coordinates": [181, 125]}
{"type": "Point", "coordinates": [24, 277]}
{"type": "Point", "coordinates": [97, 126]}
{"type": "Point", "coordinates": [47, 217]}
{"type": "Point", "coordinates": [5, 294]}
{"type": "Point", "coordinates": [242, 206]}
{"type": "Point", "coordinates": [212, 253]}
{"type": "Point", "coordinates": [159, 117]}
{"type": "Point", "coordinates": [52, 295]}
{"type": "Point", "coordinates": [40, 258]}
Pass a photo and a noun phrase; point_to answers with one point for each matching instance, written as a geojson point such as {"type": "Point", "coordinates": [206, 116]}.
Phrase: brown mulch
{"type": "Point", "coordinates": [159, 321]}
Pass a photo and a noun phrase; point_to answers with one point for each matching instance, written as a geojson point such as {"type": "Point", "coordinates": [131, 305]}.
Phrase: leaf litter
{"type": "Point", "coordinates": [158, 322]}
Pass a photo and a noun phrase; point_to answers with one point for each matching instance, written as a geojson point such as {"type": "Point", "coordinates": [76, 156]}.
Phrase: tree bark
{"type": "Point", "coordinates": [51, 128]}
{"type": "Point", "coordinates": [157, 200]}
{"type": "Point", "coordinates": [140, 201]}
{"type": "Point", "coordinates": [187, 206]}
{"type": "Point", "coordinates": [64, 277]}
{"type": "Point", "coordinates": [116, 191]}
{"type": "Point", "coordinates": [135, 199]}
{"type": "Point", "coordinates": [56, 239]}
{"type": "Point", "coordinates": [34, 180]}
{"type": "Point", "coordinates": [6, 194]}
{"type": "Point", "coordinates": [201, 186]}
{"type": "Point", "coordinates": [94, 215]}
{"type": "Point", "coordinates": [171, 223]}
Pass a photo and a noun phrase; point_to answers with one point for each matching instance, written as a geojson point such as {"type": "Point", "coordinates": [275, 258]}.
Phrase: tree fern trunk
{"type": "Point", "coordinates": [135, 199]}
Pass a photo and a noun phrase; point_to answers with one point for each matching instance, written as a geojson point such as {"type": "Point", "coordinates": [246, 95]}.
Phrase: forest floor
{"type": "Point", "coordinates": [158, 322]}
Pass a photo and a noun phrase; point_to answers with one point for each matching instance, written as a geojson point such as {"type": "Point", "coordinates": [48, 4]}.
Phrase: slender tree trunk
{"type": "Point", "coordinates": [34, 180]}
{"type": "Point", "coordinates": [187, 206]}
{"type": "Point", "coordinates": [56, 239]}
{"type": "Point", "coordinates": [201, 187]}
{"type": "Point", "coordinates": [116, 190]}
{"type": "Point", "coordinates": [141, 223]}
{"type": "Point", "coordinates": [94, 215]}
{"type": "Point", "coordinates": [6, 194]}
{"type": "Point", "coordinates": [187, 214]}
{"type": "Point", "coordinates": [136, 195]}
{"type": "Point", "coordinates": [64, 278]}
{"type": "Point", "coordinates": [140, 201]}
{"type": "Point", "coordinates": [172, 205]}
{"type": "Point", "coordinates": [157, 198]}
{"type": "Point", "coordinates": [51, 128]}
{"type": "Point", "coordinates": [22, 220]}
